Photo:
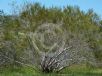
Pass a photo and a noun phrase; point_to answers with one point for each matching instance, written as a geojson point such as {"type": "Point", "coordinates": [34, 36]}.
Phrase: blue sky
{"type": "Point", "coordinates": [96, 5]}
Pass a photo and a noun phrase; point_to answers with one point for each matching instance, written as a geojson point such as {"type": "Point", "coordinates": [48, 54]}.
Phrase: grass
{"type": "Point", "coordinates": [71, 71]}
{"type": "Point", "coordinates": [82, 70]}
{"type": "Point", "coordinates": [18, 71]}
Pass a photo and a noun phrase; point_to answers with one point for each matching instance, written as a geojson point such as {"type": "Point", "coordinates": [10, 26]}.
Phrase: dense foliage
{"type": "Point", "coordinates": [79, 25]}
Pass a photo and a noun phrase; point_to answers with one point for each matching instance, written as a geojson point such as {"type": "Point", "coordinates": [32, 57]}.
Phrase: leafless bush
{"type": "Point", "coordinates": [55, 49]}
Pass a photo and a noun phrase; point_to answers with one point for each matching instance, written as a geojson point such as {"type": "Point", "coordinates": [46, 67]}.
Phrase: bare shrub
{"type": "Point", "coordinates": [54, 48]}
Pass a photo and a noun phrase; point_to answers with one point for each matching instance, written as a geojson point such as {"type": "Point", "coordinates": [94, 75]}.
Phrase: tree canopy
{"type": "Point", "coordinates": [80, 28]}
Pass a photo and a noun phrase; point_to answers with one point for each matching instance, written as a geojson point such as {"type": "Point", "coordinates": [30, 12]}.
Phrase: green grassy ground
{"type": "Point", "coordinates": [71, 71]}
